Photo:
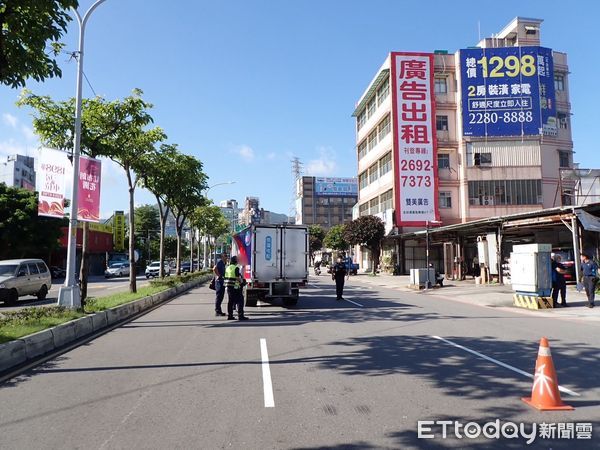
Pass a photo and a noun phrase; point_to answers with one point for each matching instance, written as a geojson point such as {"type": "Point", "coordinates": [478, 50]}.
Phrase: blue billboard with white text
{"type": "Point", "coordinates": [508, 91]}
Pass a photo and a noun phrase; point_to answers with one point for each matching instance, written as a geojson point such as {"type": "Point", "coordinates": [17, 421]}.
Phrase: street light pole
{"type": "Point", "coordinates": [427, 253]}
{"type": "Point", "coordinates": [69, 294]}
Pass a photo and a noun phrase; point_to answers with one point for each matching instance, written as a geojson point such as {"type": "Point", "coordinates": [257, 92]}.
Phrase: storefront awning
{"type": "Point", "coordinates": [588, 221]}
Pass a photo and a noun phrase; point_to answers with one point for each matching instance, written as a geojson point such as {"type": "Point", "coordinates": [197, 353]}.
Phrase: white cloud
{"type": "Point", "coordinates": [12, 147]}
{"type": "Point", "coordinates": [271, 156]}
{"type": "Point", "coordinates": [28, 133]}
{"type": "Point", "coordinates": [324, 165]}
{"type": "Point", "coordinates": [10, 120]}
{"type": "Point", "coordinates": [245, 151]}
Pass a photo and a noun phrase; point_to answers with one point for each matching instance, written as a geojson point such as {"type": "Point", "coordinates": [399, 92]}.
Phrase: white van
{"type": "Point", "coordinates": [19, 277]}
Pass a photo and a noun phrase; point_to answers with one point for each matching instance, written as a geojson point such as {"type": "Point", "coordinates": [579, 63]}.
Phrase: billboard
{"type": "Point", "coordinates": [507, 91]}
{"type": "Point", "coordinates": [88, 201]}
{"type": "Point", "coordinates": [340, 187]}
{"type": "Point", "coordinates": [51, 183]}
{"type": "Point", "coordinates": [119, 230]}
{"type": "Point", "coordinates": [415, 158]}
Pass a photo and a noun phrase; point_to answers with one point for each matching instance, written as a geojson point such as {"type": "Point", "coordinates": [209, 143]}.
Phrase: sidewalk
{"type": "Point", "coordinates": [490, 295]}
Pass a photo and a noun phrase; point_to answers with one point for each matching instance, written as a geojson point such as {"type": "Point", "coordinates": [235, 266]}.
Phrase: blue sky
{"type": "Point", "coordinates": [247, 85]}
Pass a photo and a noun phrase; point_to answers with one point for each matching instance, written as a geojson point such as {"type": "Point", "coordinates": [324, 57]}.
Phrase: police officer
{"type": "Point", "coordinates": [589, 271]}
{"type": "Point", "coordinates": [219, 271]}
{"type": "Point", "coordinates": [339, 273]}
{"type": "Point", "coordinates": [233, 283]}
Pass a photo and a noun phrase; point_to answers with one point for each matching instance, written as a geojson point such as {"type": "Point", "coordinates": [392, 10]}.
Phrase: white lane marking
{"type": "Point", "coordinates": [354, 303]}
{"type": "Point", "coordinates": [266, 372]}
{"type": "Point", "coordinates": [500, 363]}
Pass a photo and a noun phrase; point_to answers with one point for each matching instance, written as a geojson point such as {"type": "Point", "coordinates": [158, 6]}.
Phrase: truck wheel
{"type": "Point", "coordinates": [250, 297]}
{"type": "Point", "coordinates": [12, 297]}
{"type": "Point", "coordinates": [290, 301]}
{"type": "Point", "coordinates": [41, 294]}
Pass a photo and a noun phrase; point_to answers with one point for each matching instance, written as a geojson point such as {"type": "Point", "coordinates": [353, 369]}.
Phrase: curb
{"type": "Point", "coordinates": [28, 348]}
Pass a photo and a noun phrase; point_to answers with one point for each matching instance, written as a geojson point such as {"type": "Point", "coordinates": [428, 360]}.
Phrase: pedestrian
{"type": "Point", "coordinates": [234, 282]}
{"type": "Point", "coordinates": [589, 271]}
{"type": "Point", "coordinates": [476, 267]}
{"type": "Point", "coordinates": [339, 273]}
{"type": "Point", "coordinates": [219, 271]}
{"type": "Point", "coordinates": [558, 282]}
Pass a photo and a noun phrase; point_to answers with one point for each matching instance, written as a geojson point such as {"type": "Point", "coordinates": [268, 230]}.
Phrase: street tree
{"type": "Point", "coordinates": [335, 238]}
{"type": "Point", "coordinates": [111, 129]}
{"type": "Point", "coordinates": [30, 39]}
{"type": "Point", "coordinates": [210, 221]}
{"type": "Point", "coordinates": [148, 225]}
{"type": "Point", "coordinates": [316, 234]}
{"type": "Point", "coordinates": [22, 233]}
{"type": "Point", "coordinates": [158, 177]}
{"type": "Point", "coordinates": [190, 181]}
{"type": "Point", "coordinates": [367, 231]}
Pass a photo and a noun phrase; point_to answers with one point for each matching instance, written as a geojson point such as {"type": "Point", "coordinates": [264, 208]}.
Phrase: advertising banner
{"type": "Point", "coordinates": [119, 230]}
{"type": "Point", "coordinates": [51, 183]}
{"type": "Point", "coordinates": [341, 187]}
{"type": "Point", "coordinates": [508, 91]}
{"type": "Point", "coordinates": [413, 109]}
{"type": "Point", "coordinates": [88, 204]}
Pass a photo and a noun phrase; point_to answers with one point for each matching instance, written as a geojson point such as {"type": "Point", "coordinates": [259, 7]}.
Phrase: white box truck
{"type": "Point", "coordinates": [274, 260]}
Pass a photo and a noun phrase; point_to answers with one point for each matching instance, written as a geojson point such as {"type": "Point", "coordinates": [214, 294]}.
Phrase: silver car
{"type": "Point", "coordinates": [117, 269]}
{"type": "Point", "coordinates": [19, 277]}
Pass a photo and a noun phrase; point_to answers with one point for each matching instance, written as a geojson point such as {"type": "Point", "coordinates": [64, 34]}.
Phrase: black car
{"type": "Point", "coordinates": [185, 267]}
{"type": "Point", "coordinates": [57, 272]}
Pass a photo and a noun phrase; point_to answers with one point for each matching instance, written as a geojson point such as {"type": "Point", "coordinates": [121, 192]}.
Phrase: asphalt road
{"type": "Point", "coordinates": [355, 374]}
{"type": "Point", "coordinates": [97, 285]}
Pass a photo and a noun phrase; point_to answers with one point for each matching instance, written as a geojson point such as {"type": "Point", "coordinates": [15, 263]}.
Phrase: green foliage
{"type": "Point", "coordinates": [335, 238]}
{"type": "Point", "coordinates": [28, 26]}
{"type": "Point", "coordinates": [147, 221]}
{"type": "Point", "coordinates": [315, 238]}
{"type": "Point", "coordinates": [367, 231]}
{"type": "Point", "coordinates": [22, 233]}
{"type": "Point", "coordinates": [210, 221]}
{"type": "Point", "coordinates": [16, 324]}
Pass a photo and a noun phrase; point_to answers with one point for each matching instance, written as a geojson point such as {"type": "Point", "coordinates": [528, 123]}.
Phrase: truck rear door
{"type": "Point", "coordinates": [295, 251]}
{"type": "Point", "coordinates": [267, 254]}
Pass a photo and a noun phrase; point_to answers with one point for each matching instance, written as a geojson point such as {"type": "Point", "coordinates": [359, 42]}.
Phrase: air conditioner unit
{"type": "Point", "coordinates": [487, 200]}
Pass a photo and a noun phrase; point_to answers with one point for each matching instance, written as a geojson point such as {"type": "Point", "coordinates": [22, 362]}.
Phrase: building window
{"type": "Point", "coordinates": [482, 159]}
{"type": "Point", "coordinates": [362, 149]}
{"type": "Point", "coordinates": [441, 123]}
{"type": "Point", "coordinates": [383, 92]}
{"type": "Point", "coordinates": [441, 85]}
{"type": "Point", "coordinates": [374, 206]}
{"type": "Point", "coordinates": [363, 180]}
{"type": "Point", "coordinates": [559, 83]}
{"type": "Point", "coordinates": [385, 200]}
{"type": "Point", "coordinates": [443, 160]}
{"type": "Point", "coordinates": [373, 173]}
{"type": "Point", "coordinates": [445, 199]}
{"type": "Point", "coordinates": [564, 159]}
{"type": "Point", "coordinates": [372, 140]}
{"type": "Point", "coordinates": [505, 192]}
{"type": "Point", "coordinates": [363, 210]}
{"type": "Point", "coordinates": [371, 108]}
{"type": "Point", "coordinates": [385, 164]}
{"type": "Point", "coordinates": [384, 127]}
{"type": "Point", "coordinates": [361, 120]}
{"type": "Point", "coordinates": [563, 120]}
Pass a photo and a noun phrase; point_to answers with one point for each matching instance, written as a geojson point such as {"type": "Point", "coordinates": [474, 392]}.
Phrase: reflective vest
{"type": "Point", "coordinates": [230, 280]}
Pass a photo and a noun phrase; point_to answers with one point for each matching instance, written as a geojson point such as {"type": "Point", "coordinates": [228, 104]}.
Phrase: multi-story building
{"type": "Point", "coordinates": [447, 138]}
{"type": "Point", "coordinates": [251, 212]}
{"type": "Point", "coordinates": [18, 171]}
{"type": "Point", "coordinates": [230, 210]}
{"type": "Point", "coordinates": [325, 201]}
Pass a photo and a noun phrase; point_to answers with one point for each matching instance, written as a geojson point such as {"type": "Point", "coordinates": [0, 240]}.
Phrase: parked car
{"type": "Point", "coordinates": [117, 269]}
{"type": "Point", "coordinates": [57, 272]}
{"type": "Point", "coordinates": [185, 267]}
{"type": "Point", "coordinates": [19, 277]}
{"type": "Point", "coordinates": [153, 269]}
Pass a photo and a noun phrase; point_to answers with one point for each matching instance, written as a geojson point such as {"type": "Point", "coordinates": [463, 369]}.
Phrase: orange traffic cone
{"type": "Point", "coordinates": [544, 393]}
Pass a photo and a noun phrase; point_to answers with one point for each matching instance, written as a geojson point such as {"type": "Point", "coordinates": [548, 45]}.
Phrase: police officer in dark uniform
{"type": "Point", "coordinates": [339, 273]}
